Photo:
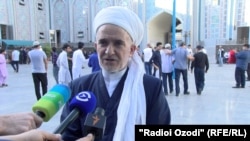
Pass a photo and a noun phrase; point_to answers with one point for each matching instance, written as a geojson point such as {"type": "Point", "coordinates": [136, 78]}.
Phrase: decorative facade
{"type": "Point", "coordinates": [63, 21]}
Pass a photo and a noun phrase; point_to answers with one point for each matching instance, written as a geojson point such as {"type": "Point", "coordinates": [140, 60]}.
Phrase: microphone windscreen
{"type": "Point", "coordinates": [84, 101]}
{"type": "Point", "coordinates": [62, 90]}
{"type": "Point", "coordinates": [52, 101]}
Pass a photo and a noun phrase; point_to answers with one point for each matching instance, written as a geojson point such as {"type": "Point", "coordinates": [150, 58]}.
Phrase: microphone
{"type": "Point", "coordinates": [82, 103]}
{"type": "Point", "coordinates": [51, 102]}
{"type": "Point", "coordinates": [95, 123]}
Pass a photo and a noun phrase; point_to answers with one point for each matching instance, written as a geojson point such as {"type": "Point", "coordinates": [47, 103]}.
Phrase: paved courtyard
{"type": "Point", "coordinates": [218, 104]}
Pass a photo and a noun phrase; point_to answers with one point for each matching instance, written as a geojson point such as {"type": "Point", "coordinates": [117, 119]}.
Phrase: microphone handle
{"type": "Point", "coordinates": [68, 120]}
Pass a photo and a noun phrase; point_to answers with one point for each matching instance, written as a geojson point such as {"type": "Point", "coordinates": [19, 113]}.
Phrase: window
{"type": "Point", "coordinates": [21, 2]}
{"type": "Point", "coordinates": [40, 6]}
{"type": "Point", "coordinates": [3, 32]}
{"type": "Point", "coordinates": [80, 34]}
{"type": "Point", "coordinates": [41, 35]}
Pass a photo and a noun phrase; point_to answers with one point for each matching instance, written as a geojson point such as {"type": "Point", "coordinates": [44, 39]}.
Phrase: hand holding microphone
{"type": "Point", "coordinates": [32, 135]}
{"type": "Point", "coordinates": [21, 121]}
{"type": "Point", "coordinates": [43, 110]}
{"type": "Point", "coordinates": [89, 137]}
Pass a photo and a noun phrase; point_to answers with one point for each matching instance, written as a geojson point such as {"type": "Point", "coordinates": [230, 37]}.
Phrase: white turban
{"type": "Point", "coordinates": [132, 105]}
{"type": "Point", "coordinates": [122, 17]}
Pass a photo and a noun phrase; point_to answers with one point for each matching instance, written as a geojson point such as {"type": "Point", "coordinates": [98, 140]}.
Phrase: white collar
{"type": "Point", "coordinates": [112, 79]}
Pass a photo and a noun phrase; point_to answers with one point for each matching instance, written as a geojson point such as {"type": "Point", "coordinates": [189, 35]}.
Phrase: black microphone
{"type": "Point", "coordinates": [82, 103]}
{"type": "Point", "coordinates": [95, 123]}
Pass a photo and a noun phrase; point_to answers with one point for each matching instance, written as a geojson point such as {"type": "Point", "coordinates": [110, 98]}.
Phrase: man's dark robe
{"type": "Point", "coordinates": [157, 111]}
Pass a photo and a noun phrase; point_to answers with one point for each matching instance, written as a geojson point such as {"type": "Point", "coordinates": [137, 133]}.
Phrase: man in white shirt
{"type": "Point", "coordinates": [64, 76]}
{"type": "Point", "coordinates": [15, 59]}
{"type": "Point", "coordinates": [147, 55]}
{"type": "Point", "coordinates": [78, 60]}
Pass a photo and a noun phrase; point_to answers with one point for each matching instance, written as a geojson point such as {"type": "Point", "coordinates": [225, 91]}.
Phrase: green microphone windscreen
{"type": "Point", "coordinates": [52, 101]}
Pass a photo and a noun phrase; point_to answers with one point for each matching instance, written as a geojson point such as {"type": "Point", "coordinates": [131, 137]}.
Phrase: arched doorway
{"type": "Point", "coordinates": [160, 29]}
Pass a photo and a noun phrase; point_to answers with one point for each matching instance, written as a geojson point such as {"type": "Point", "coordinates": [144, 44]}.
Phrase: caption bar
{"type": "Point", "coordinates": [204, 132]}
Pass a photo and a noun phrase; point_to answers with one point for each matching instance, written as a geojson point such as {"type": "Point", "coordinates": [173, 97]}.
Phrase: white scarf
{"type": "Point", "coordinates": [132, 106]}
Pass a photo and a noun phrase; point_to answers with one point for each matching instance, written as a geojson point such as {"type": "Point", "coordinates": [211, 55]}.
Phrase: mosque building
{"type": "Point", "coordinates": [60, 21]}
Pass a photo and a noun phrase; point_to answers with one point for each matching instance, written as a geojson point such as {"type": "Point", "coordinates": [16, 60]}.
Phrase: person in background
{"type": "Point", "coordinates": [190, 52]}
{"type": "Point", "coordinates": [147, 54]}
{"type": "Point", "coordinates": [54, 56]}
{"type": "Point", "coordinates": [127, 95]}
{"type": "Point", "coordinates": [225, 58]}
{"type": "Point", "coordinates": [200, 64]}
{"type": "Point", "coordinates": [94, 62]}
{"type": "Point", "coordinates": [167, 69]}
{"type": "Point", "coordinates": [3, 68]}
{"type": "Point", "coordinates": [156, 60]}
{"type": "Point", "coordinates": [15, 55]}
{"type": "Point", "coordinates": [70, 55]}
{"type": "Point", "coordinates": [248, 66]}
{"type": "Point", "coordinates": [86, 54]}
{"type": "Point", "coordinates": [39, 65]}
{"type": "Point", "coordinates": [180, 66]}
{"type": "Point", "coordinates": [220, 56]}
{"type": "Point", "coordinates": [28, 59]}
{"type": "Point", "coordinates": [231, 58]}
{"type": "Point", "coordinates": [139, 51]}
{"type": "Point", "coordinates": [78, 60]}
{"type": "Point", "coordinates": [64, 76]}
{"type": "Point", "coordinates": [23, 55]}
{"type": "Point", "coordinates": [241, 66]}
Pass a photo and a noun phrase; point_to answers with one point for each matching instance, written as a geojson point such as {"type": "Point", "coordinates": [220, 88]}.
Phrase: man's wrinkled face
{"type": "Point", "coordinates": [114, 47]}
